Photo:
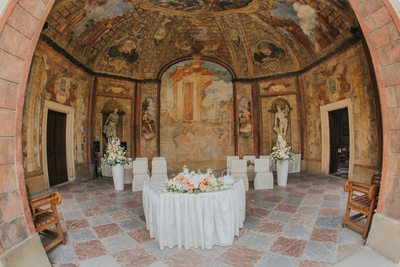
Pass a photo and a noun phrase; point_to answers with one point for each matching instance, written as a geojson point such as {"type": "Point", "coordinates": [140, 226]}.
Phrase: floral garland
{"type": "Point", "coordinates": [281, 151]}
{"type": "Point", "coordinates": [194, 182]}
{"type": "Point", "coordinates": [115, 153]}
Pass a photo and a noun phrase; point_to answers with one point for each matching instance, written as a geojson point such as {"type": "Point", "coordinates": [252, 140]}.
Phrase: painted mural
{"type": "Point", "coordinates": [202, 5]}
{"type": "Point", "coordinates": [244, 119]}
{"type": "Point", "coordinates": [113, 87]}
{"type": "Point", "coordinates": [344, 76]}
{"type": "Point", "coordinates": [197, 115]}
{"type": "Point", "coordinates": [55, 79]}
{"type": "Point", "coordinates": [148, 120]}
{"type": "Point", "coordinates": [305, 24]}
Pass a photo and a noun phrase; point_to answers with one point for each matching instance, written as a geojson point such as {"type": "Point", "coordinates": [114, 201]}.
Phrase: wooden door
{"type": "Point", "coordinates": [56, 147]}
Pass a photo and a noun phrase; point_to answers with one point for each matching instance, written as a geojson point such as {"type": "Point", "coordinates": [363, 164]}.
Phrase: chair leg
{"type": "Point", "coordinates": [346, 216]}
{"type": "Point", "coordinates": [367, 224]}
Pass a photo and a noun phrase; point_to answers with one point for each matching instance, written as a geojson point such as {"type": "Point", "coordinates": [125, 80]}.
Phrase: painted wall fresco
{"type": "Point", "coordinates": [108, 86]}
{"type": "Point", "coordinates": [344, 76]}
{"type": "Point", "coordinates": [55, 79]}
{"type": "Point", "coordinates": [281, 90]}
{"type": "Point", "coordinates": [245, 119]}
{"type": "Point", "coordinates": [197, 127]}
{"type": "Point", "coordinates": [148, 120]}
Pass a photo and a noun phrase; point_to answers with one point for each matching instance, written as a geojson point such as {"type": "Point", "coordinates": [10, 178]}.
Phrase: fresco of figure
{"type": "Point", "coordinates": [281, 121]}
{"type": "Point", "coordinates": [110, 127]}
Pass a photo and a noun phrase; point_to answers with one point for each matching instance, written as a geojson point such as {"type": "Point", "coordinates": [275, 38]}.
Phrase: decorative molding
{"type": "Point", "coordinates": [325, 139]}
{"type": "Point", "coordinates": [69, 138]}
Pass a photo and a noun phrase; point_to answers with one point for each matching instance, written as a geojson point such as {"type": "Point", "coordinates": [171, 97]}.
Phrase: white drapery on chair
{"type": "Point", "coordinates": [264, 178]}
{"type": "Point", "coordinates": [239, 171]}
{"type": "Point", "coordinates": [159, 170]}
{"type": "Point", "coordinates": [140, 173]}
{"type": "Point", "coordinates": [250, 167]}
{"type": "Point", "coordinates": [229, 164]}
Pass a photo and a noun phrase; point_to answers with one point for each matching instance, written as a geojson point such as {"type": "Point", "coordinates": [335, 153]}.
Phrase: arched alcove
{"type": "Point", "coordinates": [196, 115]}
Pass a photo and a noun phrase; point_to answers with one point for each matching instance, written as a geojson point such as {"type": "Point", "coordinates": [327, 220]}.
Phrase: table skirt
{"type": "Point", "coordinates": [194, 220]}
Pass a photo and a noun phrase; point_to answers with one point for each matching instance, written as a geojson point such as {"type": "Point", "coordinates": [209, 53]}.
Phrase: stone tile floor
{"type": "Point", "coordinates": [297, 225]}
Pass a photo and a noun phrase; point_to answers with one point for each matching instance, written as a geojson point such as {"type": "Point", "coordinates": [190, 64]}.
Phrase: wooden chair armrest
{"type": "Point", "coordinates": [373, 192]}
{"type": "Point", "coordinates": [51, 198]}
{"type": "Point", "coordinates": [355, 186]}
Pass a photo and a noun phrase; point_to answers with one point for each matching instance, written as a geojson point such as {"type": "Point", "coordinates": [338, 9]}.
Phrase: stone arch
{"type": "Point", "coordinates": [21, 23]}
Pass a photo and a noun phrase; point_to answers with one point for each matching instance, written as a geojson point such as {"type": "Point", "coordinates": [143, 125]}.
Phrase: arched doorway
{"type": "Point", "coordinates": [22, 22]}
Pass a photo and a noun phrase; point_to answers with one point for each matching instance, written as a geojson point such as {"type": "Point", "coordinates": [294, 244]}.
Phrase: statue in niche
{"type": "Point", "coordinates": [111, 124]}
{"type": "Point", "coordinates": [244, 117]}
{"type": "Point", "coordinates": [281, 110]}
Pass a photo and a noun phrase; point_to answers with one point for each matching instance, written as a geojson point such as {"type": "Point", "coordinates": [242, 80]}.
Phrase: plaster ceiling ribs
{"type": "Point", "coordinates": [136, 38]}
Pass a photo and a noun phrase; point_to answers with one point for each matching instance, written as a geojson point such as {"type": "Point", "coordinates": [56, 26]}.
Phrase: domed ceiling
{"type": "Point", "coordinates": [136, 38]}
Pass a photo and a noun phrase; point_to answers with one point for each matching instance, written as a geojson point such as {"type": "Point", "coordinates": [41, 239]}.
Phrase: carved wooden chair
{"type": "Point", "coordinates": [362, 199]}
{"type": "Point", "coordinates": [45, 217]}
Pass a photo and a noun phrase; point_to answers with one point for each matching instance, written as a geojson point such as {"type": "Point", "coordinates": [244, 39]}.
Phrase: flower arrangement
{"type": "Point", "coordinates": [281, 151]}
{"type": "Point", "coordinates": [115, 153]}
{"type": "Point", "coordinates": [194, 182]}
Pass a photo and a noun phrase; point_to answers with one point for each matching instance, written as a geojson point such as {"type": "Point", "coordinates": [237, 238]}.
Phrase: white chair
{"type": "Point", "coordinates": [159, 170]}
{"type": "Point", "coordinates": [229, 164]}
{"type": "Point", "coordinates": [296, 165]}
{"type": "Point", "coordinates": [128, 172]}
{"type": "Point", "coordinates": [140, 174]}
{"type": "Point", "coordinates": [250, 167]}
{"type": "Point", "coordinates": [264, 178]}
{"type": "Point", "coordinates": [158, 158]}
{"type": "Point", "coordinates": [239, 171]}
{"type": "Point", "coordinates": [269, 160]}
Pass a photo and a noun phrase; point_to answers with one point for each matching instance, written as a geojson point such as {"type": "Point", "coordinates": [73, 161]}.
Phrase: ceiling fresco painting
{"type": "Point", "coordinates": [136, 38]}
{"type": "Point", "coordinates": [202, 5]}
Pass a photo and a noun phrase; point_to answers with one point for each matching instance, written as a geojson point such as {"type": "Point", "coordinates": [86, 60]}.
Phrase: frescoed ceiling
{"type": "Point", "coordinates": [136, 38]}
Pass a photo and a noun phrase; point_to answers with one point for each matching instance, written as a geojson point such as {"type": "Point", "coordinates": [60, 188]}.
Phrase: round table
{"type": "Point", "coordinates": [194, 220]}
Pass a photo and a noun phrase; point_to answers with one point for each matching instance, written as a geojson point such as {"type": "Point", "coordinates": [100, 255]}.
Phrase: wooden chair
{"type": "Point", "coordinates": [362, 199]}
{"type": "Point", "coordinates": [45, 217]}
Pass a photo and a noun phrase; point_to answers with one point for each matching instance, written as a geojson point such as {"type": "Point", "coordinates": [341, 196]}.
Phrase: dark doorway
{"type": "Point", "coordinates": [56, 147]}
{"type": "Point", "coordinates": [339, 142]}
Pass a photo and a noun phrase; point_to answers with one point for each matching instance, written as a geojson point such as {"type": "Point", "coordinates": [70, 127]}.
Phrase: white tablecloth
{"type": "Point", "coordinates": [194, 220]}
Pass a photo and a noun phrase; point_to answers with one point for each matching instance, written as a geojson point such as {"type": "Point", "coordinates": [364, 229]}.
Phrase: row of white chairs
{"type": "Point", "coordinates": [240, 169]}
{"type": "Point", "coordinates": [142, 175]}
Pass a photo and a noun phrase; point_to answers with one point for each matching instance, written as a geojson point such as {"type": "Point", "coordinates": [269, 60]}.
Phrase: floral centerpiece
{"type": "Point", "coordinates": [194, 182]}
{"type": "Point", "coordinates": [115, 153]}
{"type": "Point", "coordinates": [115, 157]}
{"type": "Point", "coordinates": [281, 151]}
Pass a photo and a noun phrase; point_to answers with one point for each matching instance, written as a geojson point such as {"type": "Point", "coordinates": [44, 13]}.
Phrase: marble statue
{"type": "Point", "coordinates": [281, 121]}
{"type": "Point", "coordinates": [110, 127]}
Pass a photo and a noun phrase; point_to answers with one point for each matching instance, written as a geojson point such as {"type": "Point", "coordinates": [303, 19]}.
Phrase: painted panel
{"type": "Point", "coordinates": [148, 120]}
{"type": "Point", "coordinates": [109, 86]}
{"type": "Point", "coordinates": [244, 118]}
{"type": "Point", "coordinates": [197, 127]}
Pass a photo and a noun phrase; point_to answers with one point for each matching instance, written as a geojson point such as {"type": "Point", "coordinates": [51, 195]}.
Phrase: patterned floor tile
{"type": "Point", "coordinates": [289, 247]}
{"type": "Point", "coordinates": [90, 249]}
{"type": "Point", "coordinates": [102, 261]}
{"type": "Point", "coordinates": [241, 256]}
{"type": "Point", "coordinates": [134, 257]}
{"type": "Point", "coordinates": [309, 203]}
{"type": "Point", "coordinates": [119, 242]}
{"type": "Point", "coordinates": [107, 230]}
{"type": "Point", "coordinates": [324, 252]}
{"type": "Point", "coordinates": [184, 258]}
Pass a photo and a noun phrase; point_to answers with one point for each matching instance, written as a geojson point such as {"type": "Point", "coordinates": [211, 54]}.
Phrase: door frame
{"type": "Point", "coordinates": [325, 139]}
{"type": "Point", "coordinates": [69, 139]}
